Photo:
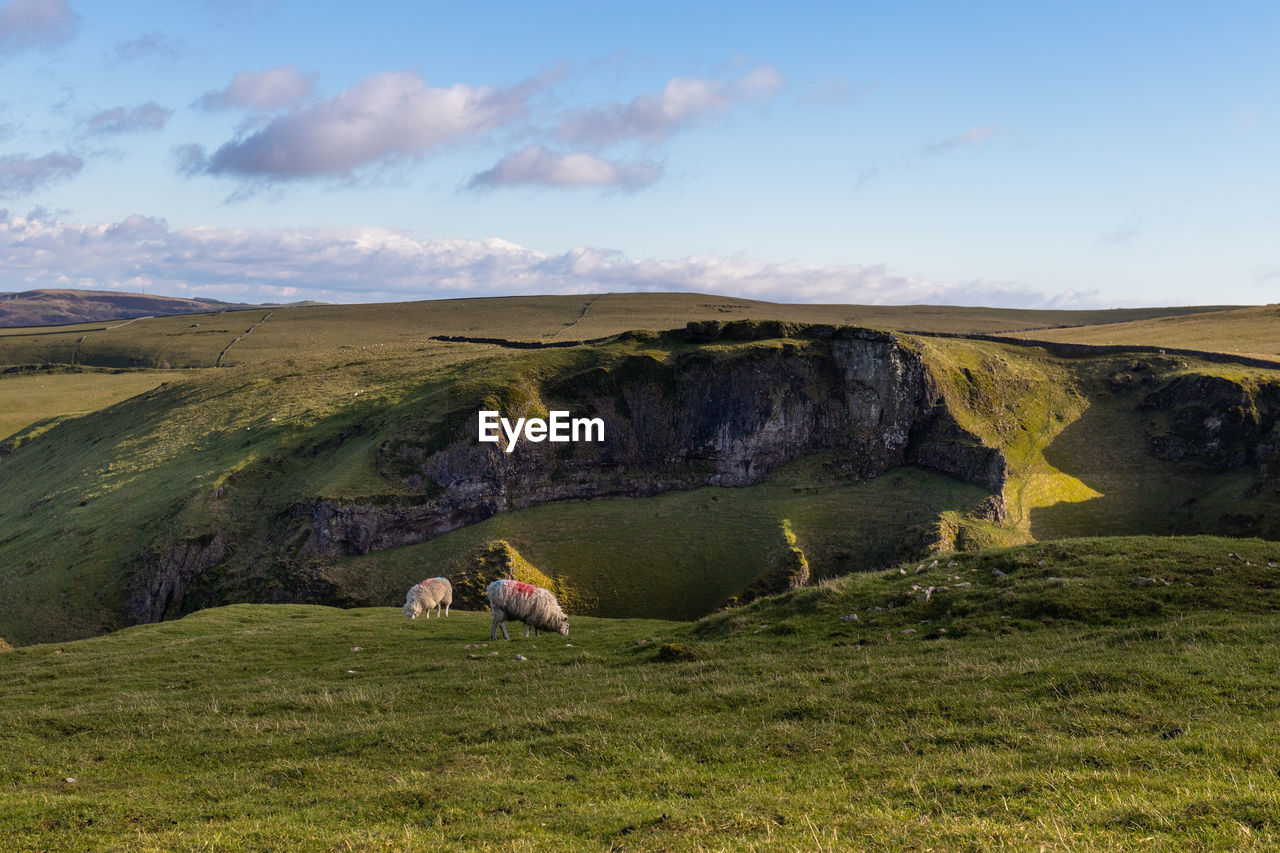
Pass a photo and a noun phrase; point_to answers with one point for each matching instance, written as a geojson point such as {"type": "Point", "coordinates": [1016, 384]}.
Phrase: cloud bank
{"type": "Point", "coordinates": [378, 264]}
{"type": "Point", "coordinates": [383, 119]}
{"type": "Point", "coordinates": [397, 117]}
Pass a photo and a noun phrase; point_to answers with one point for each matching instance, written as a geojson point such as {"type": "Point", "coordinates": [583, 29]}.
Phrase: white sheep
{"type": "Point", "coordinates": [432, 592]}
{"type": "Point", "coordinates": [536, 607]}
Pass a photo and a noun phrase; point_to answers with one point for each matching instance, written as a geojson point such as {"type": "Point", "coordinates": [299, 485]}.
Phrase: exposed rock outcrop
{"type": "Point", "coordinates": [1214, 421]}
{"type": "Point", "coordinates": [159, 589]}
{"type": "Point", "coordinates": [722, 416]}
{"type": "Point", "coordinates": [497, 560]}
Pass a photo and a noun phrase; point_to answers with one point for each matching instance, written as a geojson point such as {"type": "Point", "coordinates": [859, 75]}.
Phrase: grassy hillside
{"type": "Point", "coordinates": [1101, 695]}
{"type": "Point", "coordinates": [31, 401]}
{"type": "Point", "coordinates": [1077, 435]}
{"type": "Point", "coordinates": [259, 335]}
{"type": "Point", "coordinates": [683, 554]}
{"type": "Point", "coordinates": [1244, 331]}
{"type": "Point", "coordinates": [237, 452]}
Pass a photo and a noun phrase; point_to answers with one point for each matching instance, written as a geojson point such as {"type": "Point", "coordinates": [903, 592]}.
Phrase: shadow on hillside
{"type": "Point", "coordinates": [1106, 449]}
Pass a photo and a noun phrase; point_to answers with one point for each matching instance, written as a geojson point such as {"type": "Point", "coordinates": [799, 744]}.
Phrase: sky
{"type": "Point", "coordinates": [1033, 155]}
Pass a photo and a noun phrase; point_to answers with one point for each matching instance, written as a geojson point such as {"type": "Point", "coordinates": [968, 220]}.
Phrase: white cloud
{"type": "Point", "coordinates": [535, 165]}
{"type": "Point", "coordinates": [268, 90]}
{"type": "Point", "coordinates": [1123, 235]}
{"type": "Point", "coordinates": [26, 24]}
{"type": "Point", "coordinates": [972, 136]}
{"type": "Point", "coordinates": [21, 175]}
{"type": "Point", "coordinates": [653, 116]}
{"type": "Point", "coordinates": [384, 119]}
{"type": "Point", "coordinates": [153, 45]}
{"type": "Point", "coordinates": [148, 116]}
{"type": "Point", "coordinates": [378, 264]}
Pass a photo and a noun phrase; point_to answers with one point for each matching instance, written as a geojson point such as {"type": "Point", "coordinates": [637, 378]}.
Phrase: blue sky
{"type": "Point", "coordinates": [1028, 155]}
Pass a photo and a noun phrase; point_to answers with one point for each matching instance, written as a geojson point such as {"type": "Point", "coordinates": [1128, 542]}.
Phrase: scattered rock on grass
{"type": "Point", "coordinates": [676, 652]}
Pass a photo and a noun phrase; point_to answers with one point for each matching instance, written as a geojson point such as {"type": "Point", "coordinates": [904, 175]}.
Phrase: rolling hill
{"type": "Point", "coordinates": [1017, 632]}
{"type": "Point", "coordinates": [1098, 694]}
{"type": "Point", "coordinates": [61, 307]}
{"type": "Point", "coordinates": [230, 337]}
{"type": "Point", "coordinates": [1243, 331]}
{"type": "Point", "coordinates": [332, 458]}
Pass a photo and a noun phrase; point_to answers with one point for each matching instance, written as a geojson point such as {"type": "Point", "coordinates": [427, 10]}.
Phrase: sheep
{"type": "Point", "coordinates": [432, 592]}
{"type": "Point", "coordinates": [534, 606]}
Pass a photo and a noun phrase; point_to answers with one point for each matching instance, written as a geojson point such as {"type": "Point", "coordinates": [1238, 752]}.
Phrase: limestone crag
{"type": "Point", "coordinates": [160, 587]}
{"type": "Point", "coordinates": [1214, 421]}
{"type": "Point", "coordinates": [723, 416]}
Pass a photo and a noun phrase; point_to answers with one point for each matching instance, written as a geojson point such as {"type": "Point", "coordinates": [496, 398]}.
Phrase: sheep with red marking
{"type": "Point", "coordinates": [536, 607]}
{"type": "Point", "coordinates": [432, 592]}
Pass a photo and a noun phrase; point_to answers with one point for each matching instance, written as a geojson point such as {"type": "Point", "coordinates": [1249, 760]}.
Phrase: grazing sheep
{"type": "Point", "coordinates": [536, 607]}
{"type": "Point", "coordinates": [432, 592]}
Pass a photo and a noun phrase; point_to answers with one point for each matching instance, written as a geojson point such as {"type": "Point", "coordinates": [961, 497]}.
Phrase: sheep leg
{"type": "Point", "coordinates": [446, 609]}
{"type": "Point", "coordinates": [499, 621]}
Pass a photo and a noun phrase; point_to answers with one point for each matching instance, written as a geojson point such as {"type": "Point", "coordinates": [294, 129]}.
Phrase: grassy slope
{"type": "Point", "coordinates": [197, 340]}
{"type": "Point", "coordinates": [231, 449]}
{"type": "Point", "coordinates": [32, 402]}
{"type": "Point", "coordinates": [683, 554]}
{"type": "Point", "coordinates": [1077, 448]}
{"type": "Point", "coordinates": [1245, 331]}
{"type": "Point", "coordinates": [147, 467]}
{"type": "Point", "coordinates": [1141, 716]}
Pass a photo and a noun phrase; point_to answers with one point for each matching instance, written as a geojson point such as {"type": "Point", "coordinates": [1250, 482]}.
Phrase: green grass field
{"type": "Point", "coordinates": [1253, 332]}
{"type": "Point", "coordinates": [200, 340]}
{"type": "Point", "coordinates": [1067, 694]}
{"type": "Point", "coordinates": [41, 399]}
{"type": "Point", "coordinates": [238, 450]}
{"type": "Point", "coordinates": [1070, 705]}
{"type": "Point", "coordinates": [683, 554]}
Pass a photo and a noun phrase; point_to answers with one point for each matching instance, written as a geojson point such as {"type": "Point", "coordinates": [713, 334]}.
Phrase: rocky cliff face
{"type": "Point", "coordinates": [1216, 422]}
{"type": "Point", "coordinates": [710, 416]}
{"type": "Point", "coordinates": [160, 587]}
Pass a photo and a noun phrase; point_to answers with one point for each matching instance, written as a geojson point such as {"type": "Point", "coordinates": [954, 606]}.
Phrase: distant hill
{"type": "Point", "coordinates": [282, 331]}
{"type": "Point", "coordinates": [58, 307]}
